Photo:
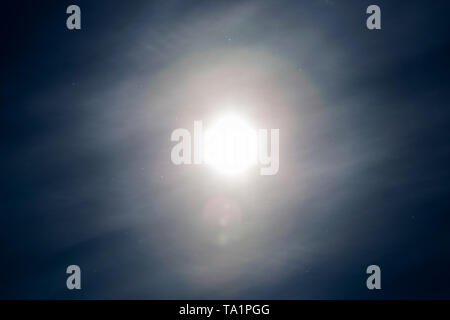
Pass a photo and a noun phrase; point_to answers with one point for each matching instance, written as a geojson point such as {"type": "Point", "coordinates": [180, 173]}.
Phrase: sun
{"type": "Point", "coordinates": [230, 145]}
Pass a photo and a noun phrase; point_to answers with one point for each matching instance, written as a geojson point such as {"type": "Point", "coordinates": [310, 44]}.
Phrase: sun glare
{"type": "Point", "coordinates": [230, 145]}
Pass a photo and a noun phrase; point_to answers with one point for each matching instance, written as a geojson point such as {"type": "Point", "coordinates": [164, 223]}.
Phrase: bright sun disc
{"type": "Point", "coordinates": [230, 145]}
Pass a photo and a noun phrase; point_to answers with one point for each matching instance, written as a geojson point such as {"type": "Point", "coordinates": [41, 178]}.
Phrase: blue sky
{"type": "Point", "coordinates": [85, 124]}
